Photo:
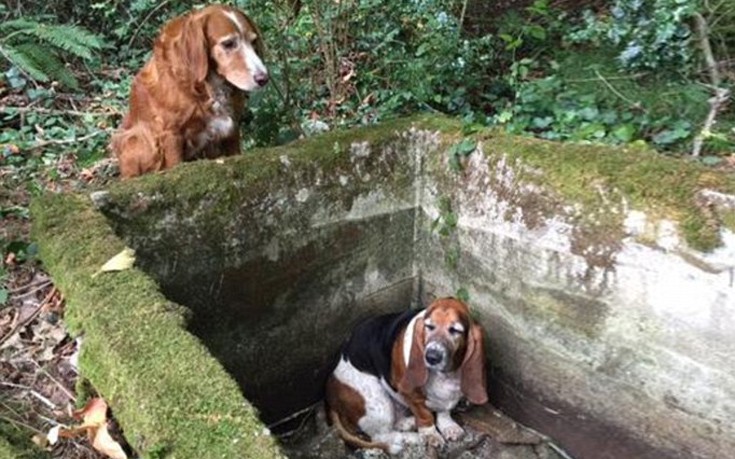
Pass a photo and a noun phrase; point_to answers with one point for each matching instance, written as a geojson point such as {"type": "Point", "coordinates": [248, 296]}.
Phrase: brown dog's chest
{"type": "Point", "coordinates": [217, 120]}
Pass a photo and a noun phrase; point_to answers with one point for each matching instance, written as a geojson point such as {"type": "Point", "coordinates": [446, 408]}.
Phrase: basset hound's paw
{"type": "Point", "coordinates": [448, 428]}
{"type": "Point", "coordinates": [453, 433]}
{"type": "Point", "coordinates": [432, 436]}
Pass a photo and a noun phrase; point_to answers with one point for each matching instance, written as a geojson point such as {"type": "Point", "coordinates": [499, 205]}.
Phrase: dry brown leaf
{"type": "Point", "coordinates": [94, 412]}
{"type": "Point", "coordinates": [94, 424]}
{"type": "Point", "coordinates": [104, 443]}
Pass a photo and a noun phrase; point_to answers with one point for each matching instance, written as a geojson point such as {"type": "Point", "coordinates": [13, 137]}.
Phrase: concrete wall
{"type": "Point", "coordinates": [631, 358]}
{"type": "Point", "coordinates": [610, 334]}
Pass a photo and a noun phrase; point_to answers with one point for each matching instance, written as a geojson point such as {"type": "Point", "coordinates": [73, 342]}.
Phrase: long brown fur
{"type": "Point", "coordinates": [186, 85]}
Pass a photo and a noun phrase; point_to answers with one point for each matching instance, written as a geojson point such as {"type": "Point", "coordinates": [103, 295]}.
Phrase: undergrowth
{"type": "Point", "coordinates": [626, 71]}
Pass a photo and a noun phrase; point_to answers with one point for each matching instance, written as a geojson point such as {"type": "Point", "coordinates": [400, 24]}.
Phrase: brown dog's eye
{"type": "Point", "coordinates": [430, 327]}
{"type": "Point", "coordinates": [229, 44]}
{"type": "Point", "coordinates": [455, 331]}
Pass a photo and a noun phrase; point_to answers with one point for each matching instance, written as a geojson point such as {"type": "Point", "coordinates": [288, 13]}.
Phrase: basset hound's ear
{"type": "Point", "coordinates": [474, 377]}
{"type": "Point", "coordinates": [416, 373]}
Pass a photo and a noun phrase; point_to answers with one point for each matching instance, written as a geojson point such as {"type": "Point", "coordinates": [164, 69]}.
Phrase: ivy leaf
{"type": "Point", "coordinates": [466, 146]}
{"type": "Point", "coordinates": [624, 133]}
{"type": "Point", "coordinates": [706, 160]}
{"type": "Point", "coordinates": [450, 219]}
{"type": "Point", "coordinates": [669, 136]}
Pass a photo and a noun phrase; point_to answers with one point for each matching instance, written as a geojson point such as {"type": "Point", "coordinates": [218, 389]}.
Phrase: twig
{"type": "Point", "coordinates": [700, 25]}
{"type": "Point", "coordinates": [635, 105]}
{"type": "Point", "coordinates": [293, 416]}
{"type": "Point", "coordinates": [63, 388]}
{"type": "Point", "coordinates": [28, 319]}
{"type": "Point", "coordinates": [40, 286]}
{"type": "Point", "coordinates": [715, 103]}
{"type": "Point", "coordinates": [43, 399]}
{"type": "Point", "coordinates": [50, 111]}
{"type": "Point", "coordinates": [633, 76]}
{"type": "Point", "coordinates": [462, 15]}
{"type": "Point", "coordinates": [721, 95]}
{"type": "Point", "coordinates": [22, 424]}
{"type": "Point", "coordinates": [145, 19]}
{"type": "Point", "coordinates": [45, 143]}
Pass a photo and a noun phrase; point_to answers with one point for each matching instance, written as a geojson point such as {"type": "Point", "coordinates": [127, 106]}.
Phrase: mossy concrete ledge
{"type": "Point", "coordinates": [171, 397]}
{"type": "Point", "coordinates": [251, 270]}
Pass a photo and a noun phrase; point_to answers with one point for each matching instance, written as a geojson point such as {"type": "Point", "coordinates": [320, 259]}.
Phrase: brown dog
{"type": "Point", "coordinates": [397, 370]}
{"type": "Point", "coordinates": [187, 101]}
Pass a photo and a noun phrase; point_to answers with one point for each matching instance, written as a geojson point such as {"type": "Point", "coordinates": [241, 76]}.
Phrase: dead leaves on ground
{"type": "Point", "coordinates": [94, 425]}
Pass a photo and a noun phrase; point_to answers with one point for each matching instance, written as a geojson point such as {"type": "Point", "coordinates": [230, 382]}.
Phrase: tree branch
{"type": "Point", "coordinates": [721, 94]}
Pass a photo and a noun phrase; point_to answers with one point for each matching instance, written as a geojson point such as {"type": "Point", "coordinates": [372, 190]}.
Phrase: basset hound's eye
{"type": "Point", "coordinates": [429, 326]}
{"type": "Point", "coordinates": [230, 44]}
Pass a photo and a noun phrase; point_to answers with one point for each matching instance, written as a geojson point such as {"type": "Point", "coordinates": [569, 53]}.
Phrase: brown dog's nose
{"type": "Point", "coordinates": [261, 78]}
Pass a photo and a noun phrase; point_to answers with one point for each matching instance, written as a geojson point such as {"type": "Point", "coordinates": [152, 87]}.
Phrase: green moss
{"type": "Point", "coordinates": [594, 176]}
{"type": "Point", "coordinates": [162, 384]}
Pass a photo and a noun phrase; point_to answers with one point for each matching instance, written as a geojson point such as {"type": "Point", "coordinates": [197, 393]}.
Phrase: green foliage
{"type": "Point", "coordinates": [359, 62]}
{"type": "Point", "coordinates": [647, 34]}
{"type": "Point", "coordinates": [599, 84]}
{"type": "Point", "coordinates": [460, 150]}
{"type": "Point", "coordinates": [35, 48]}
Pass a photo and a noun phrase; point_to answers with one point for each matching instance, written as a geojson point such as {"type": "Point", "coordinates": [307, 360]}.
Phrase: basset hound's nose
{"type": "Point", "coordinates": [261, 78]}
{"type": "Point", "coordinates": [434, 356]}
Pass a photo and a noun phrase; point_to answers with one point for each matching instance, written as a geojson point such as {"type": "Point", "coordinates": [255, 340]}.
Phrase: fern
{"type": "Point", "coordinates": [73, 39]}
{"type": "Point", "coordinates": [25, 44]}
{"type": "Point", "coordinates": [23, 62]}
{"type": "Point", "coordinates": [51, 65]}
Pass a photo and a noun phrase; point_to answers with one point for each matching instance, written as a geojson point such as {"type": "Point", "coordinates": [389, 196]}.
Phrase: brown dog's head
{"type": "Point", "coordinates": [217, 38]}
{"type": "Point", "coordinates": [448, 340]}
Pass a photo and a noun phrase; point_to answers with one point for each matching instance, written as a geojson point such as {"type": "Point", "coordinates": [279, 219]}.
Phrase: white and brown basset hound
{"type": "Point", "coordinates": [396, 370]}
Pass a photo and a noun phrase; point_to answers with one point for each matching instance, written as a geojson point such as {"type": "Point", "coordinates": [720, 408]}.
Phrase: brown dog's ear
{"type": "Point", "coordinates": [416, 373]}
{"type": "Point", "coordinates": [193, 49]}
{"type": "Point", "coordinates": [474, 378]}
{"type": "Point", "coordinates": [183, 46]}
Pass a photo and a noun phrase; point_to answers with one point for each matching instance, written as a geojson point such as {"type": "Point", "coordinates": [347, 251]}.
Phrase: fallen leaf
{"type": "Point", "coordinates": [94, 424]}
{"type": "Point", "coordinates": [104, 443]}
{"type": "Point", "coordinates": [120, 262]}
{"type": "Point", "coordinates": [93, 413]}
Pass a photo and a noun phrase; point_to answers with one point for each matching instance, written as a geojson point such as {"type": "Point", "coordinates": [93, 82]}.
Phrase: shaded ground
{"type": "Point", "coordinates": [489, 435]}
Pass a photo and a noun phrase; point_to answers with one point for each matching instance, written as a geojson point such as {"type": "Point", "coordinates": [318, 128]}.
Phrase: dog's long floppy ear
{"type": "Point", "coordinates": [416, 373]}
{"type": "Point", "coordinates": [474, 378]}
{"type": "Point", "coordinates": [190, 51]}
